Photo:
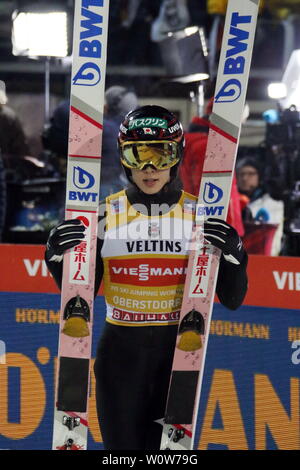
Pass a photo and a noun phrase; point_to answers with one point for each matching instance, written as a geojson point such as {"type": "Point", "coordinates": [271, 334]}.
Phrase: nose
{"type": "Point", "coordinates": [149, 168]}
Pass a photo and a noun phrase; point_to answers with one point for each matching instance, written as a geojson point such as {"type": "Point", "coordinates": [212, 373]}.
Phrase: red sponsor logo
{"type": "Point", "coordinates": [200, 270]}
{"type": "Point", "coordinates": [153, 272]}
{"type": "Point", "coordinates": [80, 260]}
{"type": "Point", "coordinates": [84, 220]}
{"type": "Point", "coordinates": [70, 446]}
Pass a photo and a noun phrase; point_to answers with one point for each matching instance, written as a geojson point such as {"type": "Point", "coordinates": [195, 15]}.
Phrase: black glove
{"type": "Point", "coordinates": [222, 235]}
{"type": "Point", "coordinates": [64, 236]}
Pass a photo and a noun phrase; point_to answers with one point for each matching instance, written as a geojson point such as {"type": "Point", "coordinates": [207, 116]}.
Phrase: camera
{"type": "Point", "coordinates": [282, 173]}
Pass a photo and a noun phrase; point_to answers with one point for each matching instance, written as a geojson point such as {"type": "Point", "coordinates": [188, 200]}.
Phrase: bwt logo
{"type": "Point", "coordinates": [212, 193]}
{"type": "Point", "coordinates": [82, 179]}
{"type": "Point", "coordinates": [2, 352]}
{"type": "Point", "coordinates": [89, 73]}
{"type": "Point", "coordinates": [235, 62]}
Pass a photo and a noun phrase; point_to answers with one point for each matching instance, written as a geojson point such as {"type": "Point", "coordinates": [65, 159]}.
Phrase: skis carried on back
{"type": "Point", "coordinates": [226, 119]}
{"type": "Point", "coordinates": [70, 430]}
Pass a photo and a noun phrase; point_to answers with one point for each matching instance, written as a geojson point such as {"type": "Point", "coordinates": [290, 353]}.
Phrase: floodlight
{"type": "Point", "coordinates": [277, 91]}
{"type": "Point", "coordinates": [40, 31]}
{"type": "Point", "coordinates": [37, 34]}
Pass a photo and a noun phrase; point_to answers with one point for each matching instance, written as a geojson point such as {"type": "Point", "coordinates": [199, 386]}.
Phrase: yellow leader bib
{"type": "Point", "coordinates": [145, 261]}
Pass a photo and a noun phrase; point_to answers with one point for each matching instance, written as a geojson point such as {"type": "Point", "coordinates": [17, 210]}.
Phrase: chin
{"type": "Point", "coordinates": [151, 190]}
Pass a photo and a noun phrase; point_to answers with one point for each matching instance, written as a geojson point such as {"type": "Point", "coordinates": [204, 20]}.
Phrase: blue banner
{"type": "Point", "coordinates": [250, 397]}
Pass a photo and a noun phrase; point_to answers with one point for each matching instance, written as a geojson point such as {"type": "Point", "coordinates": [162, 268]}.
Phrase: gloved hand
{"type": "Point", "coordinates": [64, 236]}
{"type": "Point", "coordinates": [222, 235]}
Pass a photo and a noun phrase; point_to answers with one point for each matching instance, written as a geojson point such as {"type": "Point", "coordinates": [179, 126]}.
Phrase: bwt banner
{"type": "Point", "coordinates": [250, 397]}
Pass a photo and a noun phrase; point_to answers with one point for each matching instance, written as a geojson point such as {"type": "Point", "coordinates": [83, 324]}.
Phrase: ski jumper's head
{"type": "Point", "coordinates": [151, 143]}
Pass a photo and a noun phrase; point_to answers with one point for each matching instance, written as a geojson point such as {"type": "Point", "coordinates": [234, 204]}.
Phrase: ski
{"type": "Point", "coordinates": [180, 419]}
{"type": "Point", "coordinates": [70, 429]}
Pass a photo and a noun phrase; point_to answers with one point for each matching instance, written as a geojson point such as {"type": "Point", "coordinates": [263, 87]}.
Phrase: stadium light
{"type": "Point", "coordinates": [277, 91]}
{"type": "Point", "coordinates": [38, 34]}
{"type": "Point", "coordinates": [40, 30]}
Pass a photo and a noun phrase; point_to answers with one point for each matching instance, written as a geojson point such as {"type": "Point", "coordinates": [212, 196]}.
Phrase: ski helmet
{"type": "Point", "coordinates": [151, 135]}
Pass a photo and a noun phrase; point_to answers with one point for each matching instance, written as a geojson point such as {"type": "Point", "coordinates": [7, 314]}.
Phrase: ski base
{"type": "Point", "coordinates": [176, 437]}
{"type": "Point", "coordinates": [70, 431]}
{"type": "Point", "coordinates": [70, 428]}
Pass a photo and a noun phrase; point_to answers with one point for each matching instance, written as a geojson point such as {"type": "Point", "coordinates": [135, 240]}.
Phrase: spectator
{"type": "Point", "coordinates": [129, 32]}
{"type": "Point", "coordinates": [56, 133]}
{"type": "Point", "coordinates": [173, 16]}
{"type": "Point", "coordinates": [262, 208]}
{"type": "Point", "coordinates": [281, 8]}
{"type": "Point", "coordinates": [13, 143]}
{"type": "Point", "coordinates": [249, 178]}
{"type": "Point", "coordinates": [194, 152]}
{"type": "Point", "coordinates": [118, 102]}
{"type": "Point", "coordinates": [192, 165]}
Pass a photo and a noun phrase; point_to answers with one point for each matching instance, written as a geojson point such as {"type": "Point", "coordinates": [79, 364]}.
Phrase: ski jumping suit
{"type": "Point", "coordinates": [142, 260]}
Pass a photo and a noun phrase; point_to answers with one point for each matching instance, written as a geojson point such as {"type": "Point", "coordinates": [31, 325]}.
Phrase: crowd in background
{"type": "Point", "coordinates": [256, 215]}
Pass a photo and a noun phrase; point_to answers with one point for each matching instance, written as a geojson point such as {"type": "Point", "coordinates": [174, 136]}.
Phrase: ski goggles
{"type": "Point", "coordinates": [161, 154]}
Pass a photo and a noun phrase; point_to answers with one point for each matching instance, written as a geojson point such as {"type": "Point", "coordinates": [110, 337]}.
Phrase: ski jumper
{"type": "Point", "coordinates": [142, 260]}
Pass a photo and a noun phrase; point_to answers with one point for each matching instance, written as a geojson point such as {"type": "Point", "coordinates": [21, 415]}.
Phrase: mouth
{"type": "Point", "coordinates": [150, 181]}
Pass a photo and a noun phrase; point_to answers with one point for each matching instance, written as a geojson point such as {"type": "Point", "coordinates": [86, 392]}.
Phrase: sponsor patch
{"type": "Point", "coordinates": [125, 316]}
{"type": "Point", "coordinates": [189, 206]}
{"type": "Point", "coordinates": [148, 130]}
{"type": "Point", "coordinates": [148, 122]}
{"type": "Point", "coordinates": [153, 229]}
{"type": "Point", "coordinates": [118, 206]}
{"type": "Point", "coordinates": [153, 272]}
{"type": "Point", "coordinates": [174, 128]}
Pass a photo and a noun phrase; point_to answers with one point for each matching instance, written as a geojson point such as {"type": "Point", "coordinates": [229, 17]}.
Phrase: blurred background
{"type": "Point", "coordinates": [159, 51]}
